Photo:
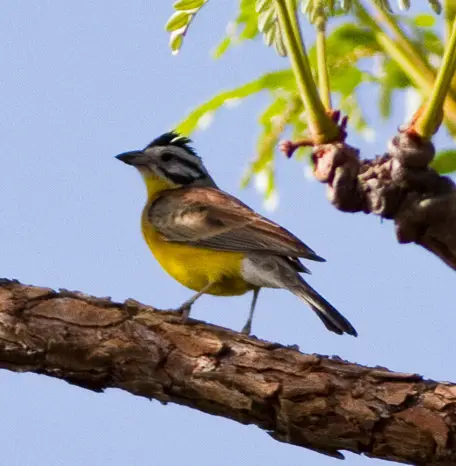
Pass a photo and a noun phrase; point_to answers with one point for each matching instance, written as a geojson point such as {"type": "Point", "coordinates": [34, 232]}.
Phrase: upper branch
{"type": "Point", "coordinates": [399, 185]}
{"type": "Point", "coordinates": [313, 401]}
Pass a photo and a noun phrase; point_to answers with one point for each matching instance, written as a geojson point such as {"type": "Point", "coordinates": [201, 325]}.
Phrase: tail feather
{"type": "Point", "coordinates": [329, 315]}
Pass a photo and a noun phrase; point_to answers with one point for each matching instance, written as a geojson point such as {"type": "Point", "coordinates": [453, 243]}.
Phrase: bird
{"type": "Point", "coordinates": [211, 242]}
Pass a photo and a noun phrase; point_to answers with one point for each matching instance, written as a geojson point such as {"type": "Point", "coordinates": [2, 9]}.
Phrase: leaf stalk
{"type": "Point", "coordinates": [429, 120]}
{"type": "Point", "coordinates": [322, 63]}
{"type": "Point", "coordinates": [322, 128]}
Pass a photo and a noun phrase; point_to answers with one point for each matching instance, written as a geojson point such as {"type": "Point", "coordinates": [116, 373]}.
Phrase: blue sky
{"type": "Point", "coordinates": [84, 81]}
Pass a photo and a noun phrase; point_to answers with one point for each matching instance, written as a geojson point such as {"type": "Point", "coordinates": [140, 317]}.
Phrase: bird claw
{"type": "Point", "coordinates": [247, 329]}
{"type": "Point", "coordinates": [184, 311]}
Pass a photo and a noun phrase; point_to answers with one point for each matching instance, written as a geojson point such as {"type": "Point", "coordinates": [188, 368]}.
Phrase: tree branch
{"type": "Point", "coordinates": [399, 185]}
{"type": "Point", "coordinates": [313, 401]}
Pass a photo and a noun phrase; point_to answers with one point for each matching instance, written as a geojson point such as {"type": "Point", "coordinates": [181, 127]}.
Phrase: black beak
{"type": "Point", "coordinates": [135, 158]}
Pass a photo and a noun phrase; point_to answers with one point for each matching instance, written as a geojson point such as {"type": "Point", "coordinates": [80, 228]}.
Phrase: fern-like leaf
{"type": "Point", "coordinates": [268, 24]}
{"type": "Point", "coordinates": [180, 21]}
{"type": "Point", "coordinates": [318, 8]}
{"type": "Point", "coordinates": [244, 27]}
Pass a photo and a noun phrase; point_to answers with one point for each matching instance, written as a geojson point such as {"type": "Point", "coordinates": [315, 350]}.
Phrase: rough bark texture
{"type": "Point", "coordinates": [399, 185]}
{"type": "Point", "coordinates": [317, 402]}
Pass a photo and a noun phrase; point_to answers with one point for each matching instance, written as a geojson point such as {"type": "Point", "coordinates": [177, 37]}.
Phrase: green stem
{"type": "Point", "coordinates": [428, 120]}
{"type": "Point", "coordinates": [394, 50]}
{"type": "Point", "coordinates": [404, 42]}
{"type": "Point", "coordinates": [322, 128]}
{"type": "Point", "coordinates": [423, 81]}
{"type": "Point", "coordinates": [449, 13]}
{"type": "Point", "coordinates": [322, 63]}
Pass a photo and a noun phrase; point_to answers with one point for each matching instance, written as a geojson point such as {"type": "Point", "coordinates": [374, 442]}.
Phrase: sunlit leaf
{"type": "Point", "coordinates": [351, 106]}
{"type": "Point", "coordinates": [445, 162]}
{"type": "Point", "coordinates": [244, 27]}
{"type": "Point", "coordinates": [353, 55]}
{"type": "Point", "coordinates": [273, 120]}
{"type": "Point", "coordinates": [346, 80]}
{"type": "Point", "coordinates": [188, 4]}
{"type": "Point", "coordinates": [425, 38]}
{"type": "Point", "coordinates": [268, 24]}
{"type": "Point", "coordinates": [222, 47]}
{"type": "Point", "coordinates": [424, 21]}
{"type": "Point", "coordinates": [313, 8]}
{"type": "Point", "coordinates": [175, 42]}
{"type": "Point", "coordinates": [271, 81]}
{"type": "Point", "coordinates": [403, 4]}
{"type": "Point", "coordinates": [436, 6]}
{"type": "Point", "coordinates": [385, 99]}
{"type": "Point", "coordinates": [180, 21]}
{"type": "Point", "coordinates": [391, 79]}
{"type": "Point", "coordinates": [177, 21]}
{"type": "Point", "coordinates": [385, 5]}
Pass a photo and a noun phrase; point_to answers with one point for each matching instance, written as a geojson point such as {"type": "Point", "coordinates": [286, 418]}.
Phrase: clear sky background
{"type": "Point", "coordinates": [83, 81]}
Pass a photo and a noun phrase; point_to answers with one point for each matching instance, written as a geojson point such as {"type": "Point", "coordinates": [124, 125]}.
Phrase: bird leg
{"type": "Point", "coordinates": [185, 307]}
{"type": "Point", "coordinates": [248, 325]}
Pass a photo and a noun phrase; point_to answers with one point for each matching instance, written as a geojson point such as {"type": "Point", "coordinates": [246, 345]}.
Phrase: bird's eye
{"type": "Point", "coordinates": [166, 157]}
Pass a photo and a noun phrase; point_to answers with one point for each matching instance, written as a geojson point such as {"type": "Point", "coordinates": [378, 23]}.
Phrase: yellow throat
{"type": "Point", "coordinates": [191, 266]}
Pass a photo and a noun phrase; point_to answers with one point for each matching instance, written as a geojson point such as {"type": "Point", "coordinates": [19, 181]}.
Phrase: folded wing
{"type": "Point", "coordinates": [210, 218]}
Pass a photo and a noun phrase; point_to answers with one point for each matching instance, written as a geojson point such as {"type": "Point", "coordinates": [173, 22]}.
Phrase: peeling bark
{"type": "Point", "coordinates": [324, 404]}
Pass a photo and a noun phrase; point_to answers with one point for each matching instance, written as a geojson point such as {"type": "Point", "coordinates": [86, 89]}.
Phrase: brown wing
{"type": "Point", "coordinates": [210, 218]}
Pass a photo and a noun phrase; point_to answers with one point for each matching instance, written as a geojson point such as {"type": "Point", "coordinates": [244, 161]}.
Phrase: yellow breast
{"type": "Point", "coordinates": [196, 267]}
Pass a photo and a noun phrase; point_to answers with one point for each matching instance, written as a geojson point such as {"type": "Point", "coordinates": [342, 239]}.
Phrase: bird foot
{"type": "Point", "coordinates": [184, 311]}
{"type": "Point", "coordinates": [247, 329]}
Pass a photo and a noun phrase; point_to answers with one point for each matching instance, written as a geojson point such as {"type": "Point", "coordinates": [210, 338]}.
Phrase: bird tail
{"type": "Point", "coordinates": [328, 314]}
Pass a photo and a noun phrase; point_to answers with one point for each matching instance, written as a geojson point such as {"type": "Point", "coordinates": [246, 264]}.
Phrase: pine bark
{"type": "Point", "coordinates": [324, 404]}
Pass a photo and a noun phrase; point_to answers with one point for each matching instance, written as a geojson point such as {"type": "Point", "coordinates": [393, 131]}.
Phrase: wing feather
{"type": "Point", "coordinates": [210, 218]}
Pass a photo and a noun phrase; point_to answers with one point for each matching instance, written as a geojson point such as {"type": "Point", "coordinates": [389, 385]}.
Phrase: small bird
{"type": "Point", "coordinates": [210, 241]}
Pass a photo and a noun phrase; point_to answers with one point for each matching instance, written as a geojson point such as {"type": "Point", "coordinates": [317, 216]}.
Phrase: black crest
{"type": "Point", "coordinates": [172, 138]}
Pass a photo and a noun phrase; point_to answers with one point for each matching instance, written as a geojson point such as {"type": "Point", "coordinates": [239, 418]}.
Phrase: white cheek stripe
{"type": "Point", "coordinates": [187, 172]}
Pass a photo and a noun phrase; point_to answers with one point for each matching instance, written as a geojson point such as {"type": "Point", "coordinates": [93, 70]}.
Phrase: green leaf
{"type": "Point", "coordinates": [315, 9]}
{"type": "Point", "coordinates": [384, 5]}
{"type": "Point", "coordinates": [436, 6]}
{"type": "Point", "coordinates": [244, 27]}
{"type": "Point", "coordinates": [188, 4]}
{"type": "Point", "coordinates": [175, 43]}
{"type": "Point", "coordinates": [424, 21]}
{"type": "Point", "coordinates": [274, 120]}
{"type": "Point", "coordinates": [346, 45]}
{"type": "Point", "coordinates": [349, 36]}
{"type": "Point", "coordinates": [394, 75]}
{"type": "Point", "coordinates": [346, 80]}
{"type": "Point", "coordinates": [427, 39]}
{"type": "Point", "coordinates": [177, 21]}
{"type": "Point", "coordinates": [391, 79]}
{"type": "Point", "coordinates": [268, 24]}
{"type": "Point", "coordinates": [271, 81]}
{"type": "Point", "coordinates": [445, 162]}
{"type": "Point", "coordinates": [404, 4]}
{"type": "Point", "coordinates": [222, 47]}
{"type": "Point", "coordinates": [351, 48]}
{"type": "Point", "coordinates": [350, 106]}
{"type": "Point", "coordinates": [385, 98]}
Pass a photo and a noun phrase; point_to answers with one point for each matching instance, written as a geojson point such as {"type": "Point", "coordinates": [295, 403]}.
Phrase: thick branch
{"type": "Point", "coordinates": [398, 185]}
{"type": "Point", "coordinates": [317, 402]}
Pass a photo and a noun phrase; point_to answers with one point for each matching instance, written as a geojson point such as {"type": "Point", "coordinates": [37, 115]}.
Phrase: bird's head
{"type": "Point", "coordinates": [171, 161]}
